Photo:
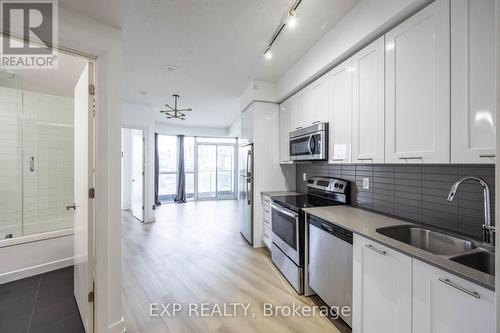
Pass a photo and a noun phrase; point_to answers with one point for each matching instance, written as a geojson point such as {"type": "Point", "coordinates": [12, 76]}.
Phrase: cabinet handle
{"type": "Point", "coordinates": [411, 158]}
{"type": "Point", "coordinates": [32, 164]}
{"type": "Point", "coordinates": [365, 158]}
{"type": "Point", "coordinates": [462, 289]}
{"type": "Point", "coordinates": [487, 156]}
{"type": "Point", "coordinates": [373, 248]}
{"type": "Point", "coordinates": [336, 159]}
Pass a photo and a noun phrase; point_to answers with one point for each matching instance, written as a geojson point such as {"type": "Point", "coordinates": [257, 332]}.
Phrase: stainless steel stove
{"type": "Point", "coordinates": [288, 225]}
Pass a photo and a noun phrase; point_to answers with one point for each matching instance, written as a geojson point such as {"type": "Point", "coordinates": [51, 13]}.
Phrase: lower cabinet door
{"type": "Point", "coordinates": [382, 289]}
{"type": "Point", "coordinates": [445, 303]}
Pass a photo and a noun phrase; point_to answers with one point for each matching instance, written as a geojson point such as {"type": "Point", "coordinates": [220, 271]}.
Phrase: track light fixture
{"type": "Point", "coordinates": [289, 20]}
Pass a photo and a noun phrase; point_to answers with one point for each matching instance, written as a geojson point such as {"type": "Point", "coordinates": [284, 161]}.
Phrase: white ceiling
{"type": "Point", "coordinates": [216, 45]}
{"type": "Point", "coordinates": [59, 82]}
{"type": "Point", "coordinates": [109, 12]}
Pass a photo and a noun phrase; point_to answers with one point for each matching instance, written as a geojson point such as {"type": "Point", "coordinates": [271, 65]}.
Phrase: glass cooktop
{"type": "Point", "coordinates": [299, 201]}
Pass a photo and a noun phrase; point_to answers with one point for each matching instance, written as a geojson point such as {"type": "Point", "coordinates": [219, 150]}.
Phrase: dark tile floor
{"type": "Point", "coordinates": [40, 304]}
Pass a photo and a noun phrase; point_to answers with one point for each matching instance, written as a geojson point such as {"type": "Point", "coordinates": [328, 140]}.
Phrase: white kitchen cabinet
{"type": "Point", "coordinates": [418, 87]}
{"type": "Point", "coordinates": [319, 92]}
{"type": "Point", "coordinates": [368, 122]}
{"type": "Point", "coordinates": [266, 219]}
{"type": "Point", "coordinates": [473, 81]}
{"type": "Point", "coordinates": [445, 303]}
{"type": "Point", "coordinates": [247, 124]}
{"type": "Point", "coordinates": [340, 115]}
{"type": "Point", "coordinates": [287, 109]}
{"type": "Point", "coordinates": [300, 118]}
{"type": "Point", "coordinates": [382, 289]}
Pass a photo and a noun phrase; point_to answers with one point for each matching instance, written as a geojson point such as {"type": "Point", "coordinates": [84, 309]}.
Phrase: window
{"type": "Point", "coordinates": [210, 166]}
{"type": "Point", "coordinates": [167, 179]}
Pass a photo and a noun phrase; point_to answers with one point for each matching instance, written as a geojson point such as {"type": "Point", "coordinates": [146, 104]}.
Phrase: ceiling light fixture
{"type": "Point", "coordinates": [170, 68]}
{"type": "Point", "coordinates": [288, 19]}
{"type": "Point", "coordinates": [174, 112]}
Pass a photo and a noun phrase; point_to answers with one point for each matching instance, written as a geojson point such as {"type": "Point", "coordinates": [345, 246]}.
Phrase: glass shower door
{"type": "Point", "coordinates": [48, 155]}
{"type": "Point", "coordinates": [11, 177]}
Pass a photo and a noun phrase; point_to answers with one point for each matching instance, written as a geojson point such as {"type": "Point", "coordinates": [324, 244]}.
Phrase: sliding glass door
{"type": "Point", "coordinates": [216, 172]}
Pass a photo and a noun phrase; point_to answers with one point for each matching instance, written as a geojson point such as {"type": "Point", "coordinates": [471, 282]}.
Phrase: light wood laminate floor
{"type": "Point", "coordinates": [195, 253]}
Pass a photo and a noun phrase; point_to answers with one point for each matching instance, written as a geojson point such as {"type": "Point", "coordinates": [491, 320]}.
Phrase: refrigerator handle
{"type": "Point", "coordinates": [248, 178]}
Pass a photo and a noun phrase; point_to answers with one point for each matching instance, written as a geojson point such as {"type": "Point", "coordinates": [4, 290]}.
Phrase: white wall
{"type": "Point", "coordinates": [168, 129]}
{"type": "Point", "coordinates": [86, 35]}
{"type": "Point", "coordinates": [235, 129]}
{"type": "Point", "coordinates": [126, 169]}
{"type": "Point", "coordinates": [362, 24]}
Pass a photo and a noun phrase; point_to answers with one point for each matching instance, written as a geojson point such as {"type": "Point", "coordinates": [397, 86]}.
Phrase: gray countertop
{"type": "Point", "coordinates": [365, 223]}
{"type": "Point", "coordinates": [280, 193]}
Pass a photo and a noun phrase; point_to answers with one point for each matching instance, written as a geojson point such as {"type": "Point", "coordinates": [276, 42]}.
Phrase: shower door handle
{"type": "Point", "coordinates": [32, 164]}
{"type": "Point", "coordinates": [73, 206]}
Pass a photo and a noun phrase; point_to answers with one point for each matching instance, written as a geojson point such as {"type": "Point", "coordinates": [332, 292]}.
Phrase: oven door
{"type": "Point", "coordinates": [285, 227]}
{"type": "Point", "coordinates": [308, 147]}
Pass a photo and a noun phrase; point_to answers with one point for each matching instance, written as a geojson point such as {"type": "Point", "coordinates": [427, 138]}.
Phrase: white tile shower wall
{"type": "Point", "coordinates": [414, 192]}
{"type": "Point", "coordinates": [48, 138]}
{"type": "Point", "coordinates": [10, 162]}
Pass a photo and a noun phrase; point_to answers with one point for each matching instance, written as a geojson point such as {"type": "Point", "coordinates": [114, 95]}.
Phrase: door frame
{"type": "Point", "coordinates": [143, 131]}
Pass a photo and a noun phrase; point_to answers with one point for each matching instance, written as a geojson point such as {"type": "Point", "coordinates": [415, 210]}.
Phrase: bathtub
{"type": "Point", "coordinates": [26, 256]}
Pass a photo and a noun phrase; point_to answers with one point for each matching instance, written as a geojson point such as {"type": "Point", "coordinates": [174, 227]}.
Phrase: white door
{"type": "Point", "coordinates": [84, 210]}
{"type": "Point", "coordinates": [473, 115]}
{"type": "Point", "coordinates": [368, 67]}
{"type": "Point", "coordinates": [445, 303]}
{"type": "Point", "coordinates": [418, 87]}
{"type": "Point", "coordinates": [340, 115]}
{"type": "Point", "coordinates": [319, 92]}
{"type": "Point", "coordinates": [137, 174]}
{"type": "Point", "coordinates": [286, 113]}
{"type": "Point", "coordinates": [382, 289]}
{"type": "Point", "coordinates": [302, 109]}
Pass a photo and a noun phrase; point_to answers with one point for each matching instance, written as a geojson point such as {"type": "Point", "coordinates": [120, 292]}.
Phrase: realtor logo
{"type": "Point", "coordinates": [30, 31]}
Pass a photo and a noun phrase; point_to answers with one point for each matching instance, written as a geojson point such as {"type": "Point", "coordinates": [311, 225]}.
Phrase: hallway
{"type": "Point", "coordinates": [195, 253]}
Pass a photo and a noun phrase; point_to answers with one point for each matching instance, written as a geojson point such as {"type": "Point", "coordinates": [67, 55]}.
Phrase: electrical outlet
{"type": "Point", "coordinates": [304, 176]}
{"type": "Point", "coordinates": [366, 183]}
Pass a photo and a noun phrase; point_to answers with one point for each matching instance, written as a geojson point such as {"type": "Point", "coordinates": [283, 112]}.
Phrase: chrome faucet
{"type": "Point", "coordinates": [488, 229]}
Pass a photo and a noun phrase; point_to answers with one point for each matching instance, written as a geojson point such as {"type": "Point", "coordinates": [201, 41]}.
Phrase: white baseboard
{"type": "Point", "coordinates": [35, 270]}
{"type": "Point", "coordinates": [118, 327]}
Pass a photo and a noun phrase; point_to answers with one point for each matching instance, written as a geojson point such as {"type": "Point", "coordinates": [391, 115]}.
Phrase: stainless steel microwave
{"type": "Point", "coordinates": [310, 143]}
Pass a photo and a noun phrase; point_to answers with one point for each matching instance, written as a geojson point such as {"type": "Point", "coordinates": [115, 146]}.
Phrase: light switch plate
{"type": "Point", "coordinates": [304, 176]}
{"type": "Point", "coordinates": [366, 183]}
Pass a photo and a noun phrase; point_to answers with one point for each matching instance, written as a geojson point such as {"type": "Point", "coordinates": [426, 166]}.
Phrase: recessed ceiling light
{"type": "Point", "coordinates": [268, 55]}
{"type": "Point", "coordinates": [143, 92]}
{"type": "Point", "coordinates": [170, 68]}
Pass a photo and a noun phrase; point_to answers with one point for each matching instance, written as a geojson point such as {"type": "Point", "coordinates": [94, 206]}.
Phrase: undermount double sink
{"type": "Point", "coordinates": [460, 250]}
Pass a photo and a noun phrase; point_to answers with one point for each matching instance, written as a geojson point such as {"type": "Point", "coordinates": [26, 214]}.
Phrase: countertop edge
{"type": "Point", "coordinates": [487, 281]}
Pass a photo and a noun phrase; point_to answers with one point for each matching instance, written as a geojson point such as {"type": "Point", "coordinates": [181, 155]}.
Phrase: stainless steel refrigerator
{"type": "Point", "coordinates": [245, 190]}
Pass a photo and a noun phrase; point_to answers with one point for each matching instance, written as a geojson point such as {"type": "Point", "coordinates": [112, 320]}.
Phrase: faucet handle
{"type": "Point", "coordinates": [489, 233]}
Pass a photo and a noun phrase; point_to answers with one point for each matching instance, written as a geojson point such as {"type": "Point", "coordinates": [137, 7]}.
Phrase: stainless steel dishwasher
{"type": "Point", "coordinates": [330, 264]}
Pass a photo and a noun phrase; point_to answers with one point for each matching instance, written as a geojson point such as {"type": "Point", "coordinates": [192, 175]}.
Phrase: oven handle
{"type": "Point", "coordinates": [284, 210]}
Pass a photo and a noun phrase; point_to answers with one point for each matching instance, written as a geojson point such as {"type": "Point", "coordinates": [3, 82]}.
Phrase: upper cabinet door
{"type": "Point", "coordinates": [445, 303]}
{"type": "Point", "coordinates": [340, 115]}
{"type": "Point", "coordinates": [302, 109]}
{"type": "Point", "coordinates": [369, 104]}
{"type": "Point", "coordinates": [418, 87]}
{"type": "Point", "coordinates": [473, 81]}
{"type": "Point", "coordinates": [286, 113]}
{"type": "Point", "coordinates": [319, 92]}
